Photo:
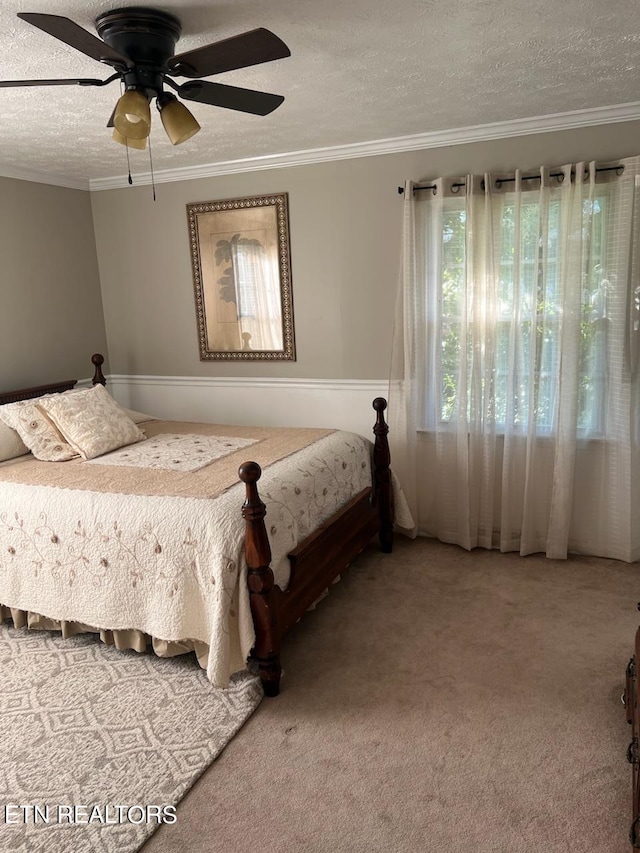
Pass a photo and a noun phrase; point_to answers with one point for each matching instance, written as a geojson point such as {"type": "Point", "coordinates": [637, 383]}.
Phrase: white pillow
{"type": "Point", "coordinates": [91, 421]}
{"type": "Point", "coordinates": [139, 417]}
{"type": "Point", "coordinates": [11, 445]}
{"type": "Point", "coordinates": [36, 430]}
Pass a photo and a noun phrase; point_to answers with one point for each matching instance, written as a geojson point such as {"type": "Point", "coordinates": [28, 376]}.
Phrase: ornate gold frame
{"type": "Point", "coordinates": [213, 218]}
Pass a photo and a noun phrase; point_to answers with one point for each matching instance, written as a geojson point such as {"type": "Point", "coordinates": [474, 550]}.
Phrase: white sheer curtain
{"type": "Point", "coordinates": [258, 295]}
{"type": "Point", "coordinates": [514, 394]}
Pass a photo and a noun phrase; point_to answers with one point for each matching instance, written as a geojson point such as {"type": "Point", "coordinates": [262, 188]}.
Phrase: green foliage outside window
{"type": "Point", "coordinates": [523, 314]}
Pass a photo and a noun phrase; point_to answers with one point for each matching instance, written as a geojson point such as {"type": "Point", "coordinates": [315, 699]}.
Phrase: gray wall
{"type": "Point", "coordinates": [51, 318]}
{"type": "Point", "coordinates": [345, 226]}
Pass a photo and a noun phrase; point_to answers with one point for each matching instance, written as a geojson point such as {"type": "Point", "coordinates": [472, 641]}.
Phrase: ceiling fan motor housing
{"type": "Point", "coordinates": [147, 38]}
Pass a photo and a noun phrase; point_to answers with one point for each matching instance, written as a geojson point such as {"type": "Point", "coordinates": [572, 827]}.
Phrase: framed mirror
{"type": "Point", "coordinates": [242, 278]}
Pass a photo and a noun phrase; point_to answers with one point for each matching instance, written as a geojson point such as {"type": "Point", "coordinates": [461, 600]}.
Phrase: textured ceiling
{"type": "Point", "coordinates": [360, 70]}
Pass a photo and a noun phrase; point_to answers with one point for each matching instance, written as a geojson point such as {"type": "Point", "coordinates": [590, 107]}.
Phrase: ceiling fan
{"type": "Point", "coordinates": [139, 44]}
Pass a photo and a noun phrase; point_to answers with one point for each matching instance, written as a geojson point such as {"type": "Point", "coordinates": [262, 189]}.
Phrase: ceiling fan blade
{"type": "Point", "coordinates": [75, 36]}
{"type": "Point", "coordinates": [250, 48]}
{"type": "Point", "coordinates": [76, 81]}
{"type": "Point", "coordinates": [221, 95]}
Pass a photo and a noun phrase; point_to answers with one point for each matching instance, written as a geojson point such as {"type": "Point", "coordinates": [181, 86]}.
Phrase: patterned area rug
{"type": "Point", "coordinates": [97, 746]}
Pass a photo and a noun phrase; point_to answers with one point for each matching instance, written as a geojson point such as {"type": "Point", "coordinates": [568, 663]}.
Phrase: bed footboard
{"type": "Point", "coordinates": [383, 492]}
{"type": "Point", "coordinates": [317, 561]}
{"type": "Point", "coordinates": [263, 593]}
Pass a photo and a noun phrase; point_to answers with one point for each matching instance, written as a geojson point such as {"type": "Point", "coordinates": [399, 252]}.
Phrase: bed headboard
{"type": "Point", "coordinates": [55, 387]}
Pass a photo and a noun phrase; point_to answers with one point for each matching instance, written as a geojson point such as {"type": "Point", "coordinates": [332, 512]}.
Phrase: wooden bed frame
{"type": "Point", "coordinates": [315, 562]}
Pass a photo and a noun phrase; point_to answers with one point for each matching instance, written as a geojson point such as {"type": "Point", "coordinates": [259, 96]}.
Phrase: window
{"type": "Point", "coordinates": [516, 354]}
{"type": "Point", "coordinates": [248, 263]}
{"type": "Point", "coordinates": [500, 339]}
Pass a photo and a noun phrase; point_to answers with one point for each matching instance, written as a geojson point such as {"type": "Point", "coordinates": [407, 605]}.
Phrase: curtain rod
{"type": "Point", "coordinates": [618, 169]}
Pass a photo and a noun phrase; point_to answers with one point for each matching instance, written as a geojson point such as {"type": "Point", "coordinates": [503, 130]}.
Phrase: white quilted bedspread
{"type": "Point", "coordinates": [170, 566]}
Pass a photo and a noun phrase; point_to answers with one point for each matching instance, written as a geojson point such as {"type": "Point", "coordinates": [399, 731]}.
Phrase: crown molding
{"type": "Point", "coordinates": [395, 145]}
{"type": "Point", "coordinates": [416, 142]}
{"type": "Point", "coordinates": [45, 178]}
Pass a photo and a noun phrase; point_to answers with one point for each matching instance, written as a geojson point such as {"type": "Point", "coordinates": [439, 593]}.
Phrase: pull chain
{"type": "Point", "coordinates": [153, 184]}
{"type": "Point", "coordinates": [126, 145]}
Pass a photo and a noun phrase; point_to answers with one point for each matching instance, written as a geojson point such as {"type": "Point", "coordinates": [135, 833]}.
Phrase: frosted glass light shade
{"type": "Point", "coordinates": [132, 116]}
{"type": "Point", "coordinates": [178, 122]}
{"type": "Point", "coordinates": [141, 144]}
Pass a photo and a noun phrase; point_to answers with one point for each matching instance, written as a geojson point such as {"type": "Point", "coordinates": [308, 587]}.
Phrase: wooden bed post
{"type": "Point", "coordinates": [262, 595]}
{"type": "Point", "coordinates": [98, 360]}
{"type": "Point", "coordinates": [382, 477]}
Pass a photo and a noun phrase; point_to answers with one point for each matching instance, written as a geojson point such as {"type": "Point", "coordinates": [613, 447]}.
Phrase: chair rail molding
{"type": "Point", "coordinates": [339, 403]}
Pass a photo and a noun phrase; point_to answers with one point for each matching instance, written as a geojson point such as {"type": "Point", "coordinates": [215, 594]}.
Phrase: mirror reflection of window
{"type": "Point", "coordinates": [258, 296]}
{"type": "Point", "coordinates": [250, 283]}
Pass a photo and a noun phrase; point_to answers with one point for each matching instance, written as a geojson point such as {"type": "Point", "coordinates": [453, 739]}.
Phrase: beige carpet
{"type": "Point", "coordinates": [96, 743]}
{"type": "Point", "coordinates": [438, 701]}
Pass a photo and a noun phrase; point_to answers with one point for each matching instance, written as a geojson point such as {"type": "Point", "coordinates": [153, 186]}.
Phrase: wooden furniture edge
{"type": "Point", "coordinates": [97, 359]}
{"type": "Point", "coordinates": [383, 491]}
{"type": "Point", "coordinates": [317, 560]}
{"type": "Point", "coordinates": [36, 391]}
{"type": "Point", "coordinates": [632, 711]}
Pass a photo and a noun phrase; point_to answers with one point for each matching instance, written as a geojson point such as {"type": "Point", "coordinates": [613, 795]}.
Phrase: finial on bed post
{"type": "Point", "coordinates": [261, 582]}
{"type": "Point", "coordinates": [382, 477]}
{"type": "Point", "coordinates": [98, 360]}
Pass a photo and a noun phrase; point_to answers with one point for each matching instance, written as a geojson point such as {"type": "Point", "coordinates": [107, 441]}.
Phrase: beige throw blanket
{"type": "Point", "coordinates": [162, 551]}
{"type": "Point", "coordinates": [270, 446]}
